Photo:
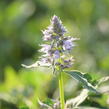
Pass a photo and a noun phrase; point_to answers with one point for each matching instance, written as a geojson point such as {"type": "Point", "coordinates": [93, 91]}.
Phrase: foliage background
{"type": "Point", "coordinates": [21, 22]}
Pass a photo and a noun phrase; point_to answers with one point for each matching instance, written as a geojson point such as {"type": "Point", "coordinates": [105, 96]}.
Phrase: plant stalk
{"type": "Point", "coordinates": [61, 90]}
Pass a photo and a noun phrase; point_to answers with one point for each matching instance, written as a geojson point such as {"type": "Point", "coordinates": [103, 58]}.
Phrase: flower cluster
{"type": "Point", "coordinates": [56, 48]}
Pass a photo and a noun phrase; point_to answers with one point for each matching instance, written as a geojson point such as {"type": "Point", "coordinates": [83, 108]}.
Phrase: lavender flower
{"type": "Point", "coordinates": [68, 45]}
{"type": "Point", "coordinates": [56, 54]}
{"type": "Point", "coordinates": [55, 46]}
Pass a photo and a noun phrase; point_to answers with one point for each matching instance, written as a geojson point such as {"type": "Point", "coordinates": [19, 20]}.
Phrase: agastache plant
{"type": "Point", "coordinates": [56, 54]}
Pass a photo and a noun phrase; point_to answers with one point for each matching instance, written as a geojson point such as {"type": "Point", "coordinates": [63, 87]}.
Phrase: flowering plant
{"type": "Point", "coordinates": [56, 54]}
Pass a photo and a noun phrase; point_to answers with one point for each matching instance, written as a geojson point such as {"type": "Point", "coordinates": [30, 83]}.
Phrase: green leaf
{"type": "Point", "coordinates": [49, 102]}
{"type": "Point", "coordinates": [88, 77]}
{"type": "Point", "coordinates": [81, 78]}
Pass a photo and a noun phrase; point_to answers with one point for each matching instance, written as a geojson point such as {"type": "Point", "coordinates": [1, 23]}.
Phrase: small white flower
{"type": "Point", "coordinates": [45, 48]}
{"type": "Point", "coordinates": [47, 35]}
{"type": "Point", "coordinates": [44, 62]}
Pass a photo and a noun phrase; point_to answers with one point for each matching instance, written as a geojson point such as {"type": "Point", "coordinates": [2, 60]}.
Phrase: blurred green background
{"type": "Point", "coordinates": [21, 22]}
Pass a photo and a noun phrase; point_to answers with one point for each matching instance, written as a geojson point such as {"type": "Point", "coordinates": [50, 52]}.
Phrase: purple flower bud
{"type": "Point", "coordinates": [68, 44]}
{"type": "Point", "coordinates": [58, 28]}
{"type": "Point", "coordinates": [56, 37]}
{"type": "Point", "coordinates": [67, 62]}
{"type": "Point", "coordinates": [56, 54]}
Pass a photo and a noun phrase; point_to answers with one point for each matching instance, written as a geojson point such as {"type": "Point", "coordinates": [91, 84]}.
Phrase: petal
{"type": "Point", "coordinates": [30, 66]}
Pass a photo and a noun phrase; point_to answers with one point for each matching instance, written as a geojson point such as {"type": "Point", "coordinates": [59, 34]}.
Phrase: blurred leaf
{"type": "Point", "coordinates": [49, 102]}
{"type": "Point", "coordinates": [104, 89]}
{"type": "Point", "coordinates": [24, 107]}
{"type": "Point", "coordinates": [75, 102]}
{"type": "Point", "coordinates": [88, 77]}
{"type": "Point", "coordinates": [102, 80]}
{"type": "Point", "coordinates": [80, 77]}
{"type": "Point", "coordinates": [7, 105]}
{"type": "Point", "coordinates": [43, 105]}
{"type": "Point", "coordinates": [104, 63]}
{"type": "Point", "coordinates": [11, 78]}
{"type": "Point", "coordinates": [85, 107]}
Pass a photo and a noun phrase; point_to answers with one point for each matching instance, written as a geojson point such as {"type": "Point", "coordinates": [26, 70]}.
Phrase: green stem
{"type": "Point", "coordinates": [61, 89]}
